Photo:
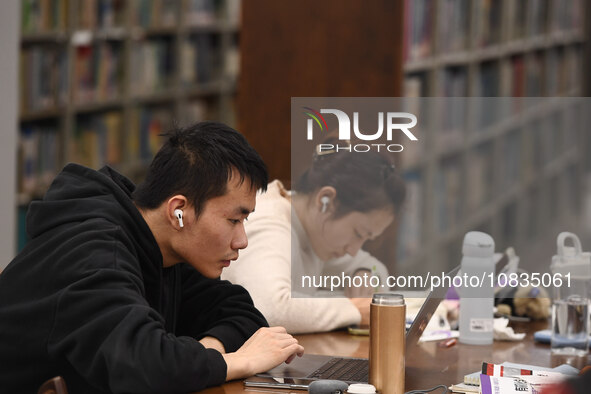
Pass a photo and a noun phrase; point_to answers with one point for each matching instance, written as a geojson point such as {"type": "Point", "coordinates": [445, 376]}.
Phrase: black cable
{"type": "Point", "coordinates": [444, 387]}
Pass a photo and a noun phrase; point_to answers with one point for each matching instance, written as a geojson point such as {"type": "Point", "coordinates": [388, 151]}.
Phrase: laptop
{"type": "Point", "coordinates": [310, 367]}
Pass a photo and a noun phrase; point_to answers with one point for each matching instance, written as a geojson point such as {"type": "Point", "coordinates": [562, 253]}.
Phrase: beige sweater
{"type": "Point", "coordinates": [265, 268]}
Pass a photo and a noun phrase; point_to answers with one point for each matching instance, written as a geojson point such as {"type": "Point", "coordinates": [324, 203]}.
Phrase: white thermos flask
{"type": "Point", "coordinates": [477, 291]}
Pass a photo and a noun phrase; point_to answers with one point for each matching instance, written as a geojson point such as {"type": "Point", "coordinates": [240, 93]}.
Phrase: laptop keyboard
{"type": "Point", "coordinates": [346, 369]}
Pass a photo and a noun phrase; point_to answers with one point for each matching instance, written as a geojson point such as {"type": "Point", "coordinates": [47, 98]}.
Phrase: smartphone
{"type": "Point", "coordinates": [357, 329]}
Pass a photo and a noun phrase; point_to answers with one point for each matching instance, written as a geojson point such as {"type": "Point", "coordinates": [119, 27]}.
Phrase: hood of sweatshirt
{"type": "Point", "coordinates": [79, 193]}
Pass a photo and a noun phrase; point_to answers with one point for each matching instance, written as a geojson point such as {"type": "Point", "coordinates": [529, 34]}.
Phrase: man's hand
{"type": "Point", "coordinates": [267, 348]}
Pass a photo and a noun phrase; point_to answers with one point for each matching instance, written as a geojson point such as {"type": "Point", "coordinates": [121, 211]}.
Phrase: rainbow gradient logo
{"type": "Point", "coordinates": [313, 114]}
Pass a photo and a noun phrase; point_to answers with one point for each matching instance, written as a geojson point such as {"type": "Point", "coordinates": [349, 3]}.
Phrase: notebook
{"type": "Point", "coordinates": [473, 379]}
{"type": "Point", "coordinates": [304, 370]}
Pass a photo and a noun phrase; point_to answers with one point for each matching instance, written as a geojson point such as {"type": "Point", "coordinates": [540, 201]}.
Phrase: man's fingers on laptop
{"type": "Point", "coordinates": [299, 351]}
{"type": "Point", "coordinates": [265, 349]}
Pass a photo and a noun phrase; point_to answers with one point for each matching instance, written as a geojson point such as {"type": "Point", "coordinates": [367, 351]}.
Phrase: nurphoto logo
{"type": "Point", "coordinates": [391, 124]}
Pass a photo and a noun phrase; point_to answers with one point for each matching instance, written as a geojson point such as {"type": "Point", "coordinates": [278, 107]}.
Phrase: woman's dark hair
{"type": "Point", "coordinates": [364, 181]}
{"type": "Point", "coordinates": [197, 162]}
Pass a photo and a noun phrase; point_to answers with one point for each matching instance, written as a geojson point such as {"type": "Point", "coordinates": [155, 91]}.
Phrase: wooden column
{"type": "Point", "coordinates": [307, 48]}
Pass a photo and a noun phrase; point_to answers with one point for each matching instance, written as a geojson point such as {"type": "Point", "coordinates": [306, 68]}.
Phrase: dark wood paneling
{"type": "Point", "coordinates": [312, 48]}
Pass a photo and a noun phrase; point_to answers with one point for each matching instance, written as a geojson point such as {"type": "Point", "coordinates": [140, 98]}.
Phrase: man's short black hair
{"type": "Point", "coordinates": [197, 162]}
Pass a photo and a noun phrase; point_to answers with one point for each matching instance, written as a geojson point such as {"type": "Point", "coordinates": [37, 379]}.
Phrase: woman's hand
{"type": "Point", "coordinates": [360, 291]}
{"type": "Point", "coordinates": [265, 349]}
{"type": "Point", "coordinates": [362, 304]}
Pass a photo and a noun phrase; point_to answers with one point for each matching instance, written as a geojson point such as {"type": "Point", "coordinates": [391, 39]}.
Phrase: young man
{"type": "Point", "coordinates": [119, 290]}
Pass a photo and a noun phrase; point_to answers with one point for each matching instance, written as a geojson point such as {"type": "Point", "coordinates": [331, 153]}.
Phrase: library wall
{"type": "Point", "coordinates": [9, 45]}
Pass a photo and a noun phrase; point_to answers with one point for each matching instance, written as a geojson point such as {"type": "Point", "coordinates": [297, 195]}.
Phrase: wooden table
{"type": "Point", "coordinates": [430, 364]}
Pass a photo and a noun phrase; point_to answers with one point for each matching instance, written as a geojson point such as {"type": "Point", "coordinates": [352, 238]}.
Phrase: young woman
{"type": "Point", "coordinates": [298, 238]}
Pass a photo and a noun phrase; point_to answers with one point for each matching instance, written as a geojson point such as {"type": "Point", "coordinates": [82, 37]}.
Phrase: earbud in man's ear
{"type": "Point", "coordinates": [179, 215]}
{"type": "Point", "coordinates": [324, 200]}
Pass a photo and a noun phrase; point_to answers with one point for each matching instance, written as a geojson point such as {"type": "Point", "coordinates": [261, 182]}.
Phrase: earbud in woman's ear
{"type": "Point", "coordinates": [324, 200]}
{"type": "Point", "coordinates": [179, 215]}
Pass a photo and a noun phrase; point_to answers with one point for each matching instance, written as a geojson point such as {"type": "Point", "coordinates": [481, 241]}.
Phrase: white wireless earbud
{"type": "Point", "coordinates": [324, 200]}
{"type": "Point", "coordinates": [179, 214]}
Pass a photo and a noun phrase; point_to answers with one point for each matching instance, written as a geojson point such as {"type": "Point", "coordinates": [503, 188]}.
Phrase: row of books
{"type": "Point", "coordinates": [152, 66]}
{"type": "Point", "coordinates": [449, 194]}
{"type": "Point", "coordinates": [98, 72]}
{"type": "Point", "coordinates": [200, 12]}
{"type": "Point", "coordinates": [164, 13]}
{"type": "Point", "coordinates": [97, 140]}
{"type": "Point", "coordinates": [201, 58]}
{"type": "Point", "coordinates": [566, 15]}
{"type": "Point", "coordinates": [555, 72]}
{"type": "Point", "coordinates": [480, 173]}
{"type": "Point", "coordinates": [547, 202]}
{"type": "Point", "coordinates": [411, 225]}
{"type": "Point", "coordinates": [445, 24]}
{"type": "Point", "coordinates": [38, 157]}
{"type": "Point", "coordinates": [445, 124]}
{"type": "Point", "coordinates": [39, 16]}
{"type": "Point", "coordinates": [488, 22]}
{"type": "Point", "coordinates": [200, 109]}
{"type": "Point", "coordinates": [563, 71]}
{"type": "Point", "coordinates": [148, 123]}
{"type": "Point", "coordinates": [43, 77]}
{"type": "Point", "coordinates": [536, 17]}
{"type": "Point", "coordinates": [452, 25]}
{"type": "Point", "coordinates": [418, 29]}
{"type": "Point", "coordinates": [452, 112]}
{"type": "Point", "coordinates": [42, 16]}
{"type": "Point", "coordinates": [465, 183]}
{"type": "Point", "coordinates": [155, 13]}
{"type": "Point", "coordinates": [101, 14]}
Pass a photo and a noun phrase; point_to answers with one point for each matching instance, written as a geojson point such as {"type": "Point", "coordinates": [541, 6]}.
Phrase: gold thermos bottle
{"type": "Point", "coordinates": [387, 343]}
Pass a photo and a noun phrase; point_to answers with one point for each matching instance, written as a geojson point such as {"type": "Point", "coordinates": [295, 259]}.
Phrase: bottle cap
{"type": "Point", "coordinates": [360, 388]}
{"type": "Point", "coordinates": [387, 299]}
{"type": "Point", "coordinates": [571, 260]}
{"type": "Point", "coordinates": [478, 244]}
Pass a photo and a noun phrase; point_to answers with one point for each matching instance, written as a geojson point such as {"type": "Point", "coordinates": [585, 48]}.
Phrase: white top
{"type": "Point", "coordinates": [264, 268]}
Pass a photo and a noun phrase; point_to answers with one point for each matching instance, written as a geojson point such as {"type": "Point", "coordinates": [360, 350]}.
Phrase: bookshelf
{"type": "Point", "coordinates": [517, 174]}
{"type": "Point", "coordinates": [100, 79]}
{"type": "Point", "coordinates": [119, 71]}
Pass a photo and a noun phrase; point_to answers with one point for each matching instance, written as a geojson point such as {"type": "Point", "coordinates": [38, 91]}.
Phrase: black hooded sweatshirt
{"type": "Point", "coordinates": [88, 299]}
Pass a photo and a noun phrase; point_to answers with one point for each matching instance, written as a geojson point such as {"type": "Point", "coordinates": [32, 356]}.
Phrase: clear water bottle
{"type": "Point", "coordinates": [477, 291]}
{"type": "Point", "coordinates": [570, 309]}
